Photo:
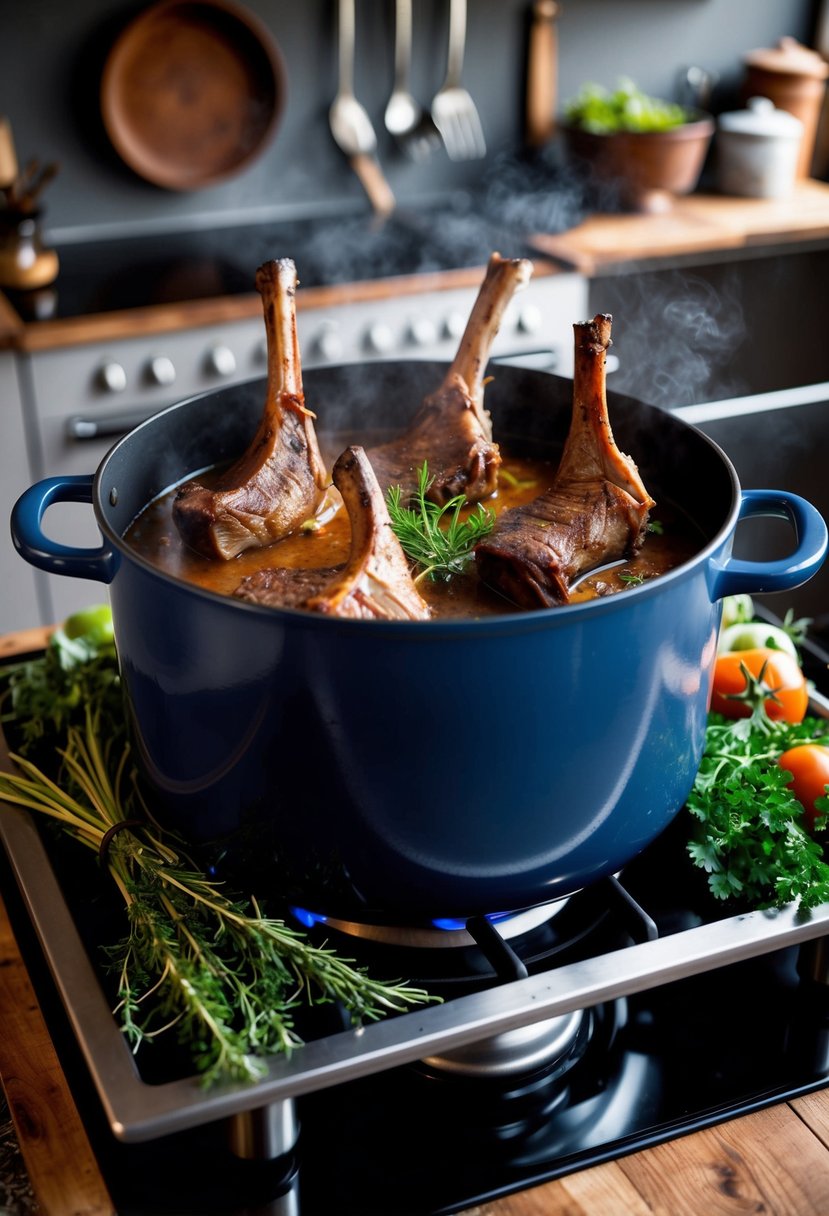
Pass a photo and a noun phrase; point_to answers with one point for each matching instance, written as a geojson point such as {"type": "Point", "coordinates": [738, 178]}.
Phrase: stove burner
{"type": "Point", "coordinates": [548, 1047]}
{"type": "Point", "coordinates": [440, 933]}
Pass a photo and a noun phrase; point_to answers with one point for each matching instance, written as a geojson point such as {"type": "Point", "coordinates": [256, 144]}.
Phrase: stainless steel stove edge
{"type": "Point", "coordinates": [137, 1111]}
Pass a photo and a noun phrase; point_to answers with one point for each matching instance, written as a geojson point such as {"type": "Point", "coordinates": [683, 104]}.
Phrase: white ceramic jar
{"type": "Point", "coordinates": [757, 150]}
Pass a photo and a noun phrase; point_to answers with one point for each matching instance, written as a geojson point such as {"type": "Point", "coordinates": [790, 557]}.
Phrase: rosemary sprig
{"type": "Point", "coordinates": [436, 538]}
{"type": "Point", "coordinates": [213, 967]}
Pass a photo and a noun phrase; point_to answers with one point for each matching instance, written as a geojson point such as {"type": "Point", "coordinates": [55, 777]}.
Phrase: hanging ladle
{"type": "Point", "coordinates": [350, 124]}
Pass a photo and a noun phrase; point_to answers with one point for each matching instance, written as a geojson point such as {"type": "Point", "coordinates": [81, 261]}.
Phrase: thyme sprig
{"type": "Point", "coordinates": [212, 967]}
{"type": "Point", "coordinates": [436, 538]}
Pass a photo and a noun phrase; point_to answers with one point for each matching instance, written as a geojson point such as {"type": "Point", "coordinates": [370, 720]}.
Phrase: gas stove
{"type": "Point", "coordinates": [632, 1012]}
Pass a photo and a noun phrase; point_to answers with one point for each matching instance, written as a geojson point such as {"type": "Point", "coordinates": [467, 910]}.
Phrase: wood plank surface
{"type": "Point", "coordinates": [61, 1166]}
{"type": "Point", "coordinates": [770, 1161]}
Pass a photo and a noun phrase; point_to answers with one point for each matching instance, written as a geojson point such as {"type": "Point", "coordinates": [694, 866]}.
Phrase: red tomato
{"type": "Point", "coordinates": [782, 674]}
{"type": "Point", "coordinates": [808, 764]}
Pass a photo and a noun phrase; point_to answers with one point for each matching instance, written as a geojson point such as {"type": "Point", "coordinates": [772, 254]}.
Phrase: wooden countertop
{"type": "Point", "coordinates": [17, 334]}
{"type": "Point", "coordinates": [697, 224]}
{"type": "Point", "coordinates": [774, 1161]}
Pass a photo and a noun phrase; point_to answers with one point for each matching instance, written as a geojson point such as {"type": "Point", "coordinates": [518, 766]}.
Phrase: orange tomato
{"type": "Point", "coordinates": [808, 764]}
{"type": "Point", "coordinates": [782, 674]}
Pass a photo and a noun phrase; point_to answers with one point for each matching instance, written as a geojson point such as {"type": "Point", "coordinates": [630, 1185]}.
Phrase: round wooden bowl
{"type": "Point", "coordinates": [648, 168]}
{"type": "Point", "coordinates": [192, 92]}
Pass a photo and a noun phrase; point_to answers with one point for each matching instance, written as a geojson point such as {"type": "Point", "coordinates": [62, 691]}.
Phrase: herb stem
{"type": "Point", "coordinates": [221, 973]}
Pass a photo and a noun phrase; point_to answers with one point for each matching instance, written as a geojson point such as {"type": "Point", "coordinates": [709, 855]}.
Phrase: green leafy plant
{"type": "Point", "coordinates": [44, 695]}
{"type": "Point", "coordinates": [436, 538]}
{"type": "Point", "coordinates": [749, 835]}
{"type": "Point", "coordinates": [627, 108]}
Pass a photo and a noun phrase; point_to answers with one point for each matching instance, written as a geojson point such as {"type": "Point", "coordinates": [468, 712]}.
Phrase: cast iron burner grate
{"type": "Point", "coordinates": [483, 950]}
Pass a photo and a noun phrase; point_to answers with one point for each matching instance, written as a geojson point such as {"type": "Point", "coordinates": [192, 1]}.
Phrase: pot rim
{"type": "Point", "coordinates": [509, 622]}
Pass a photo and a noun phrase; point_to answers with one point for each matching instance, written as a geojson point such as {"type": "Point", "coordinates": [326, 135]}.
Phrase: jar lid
{"type": "Point", "coordinates": [761, 118]}
{"type": "Point", "coordinates": [790, 57]}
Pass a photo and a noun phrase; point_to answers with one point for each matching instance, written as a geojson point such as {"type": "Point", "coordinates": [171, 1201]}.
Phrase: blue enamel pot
{"type": "Point", "coordinates": [420, 769]}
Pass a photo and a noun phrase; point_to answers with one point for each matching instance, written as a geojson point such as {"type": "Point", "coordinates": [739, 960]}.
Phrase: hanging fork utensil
{"type": "Point", "coordinates": [350, 124]}
{"type": "Point", "coordinates": [453, 110]}
{"type": "Point", "coordinates": [411, 125]}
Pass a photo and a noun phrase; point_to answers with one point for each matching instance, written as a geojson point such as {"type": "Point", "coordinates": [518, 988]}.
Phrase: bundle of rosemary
{"type": "Point", "coordinates": [195, 960]}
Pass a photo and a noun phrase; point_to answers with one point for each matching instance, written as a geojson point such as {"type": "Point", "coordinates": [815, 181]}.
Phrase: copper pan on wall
{"type": "Point", "coordinates": [192, 92]}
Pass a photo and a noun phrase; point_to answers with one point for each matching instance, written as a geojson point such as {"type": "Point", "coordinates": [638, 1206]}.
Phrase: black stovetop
{"type": "Point", "coordinates": [453, 232]}
{"type": "Point", "coordinates": [415, 1140]}
{"type": "Point", "coordinates": [158, 268]}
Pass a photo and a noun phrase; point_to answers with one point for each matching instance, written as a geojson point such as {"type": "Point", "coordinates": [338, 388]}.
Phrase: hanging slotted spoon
{"type": "Point", "coordinates": [411, 125]}
{"type": "Point", "coordinates": [350, 124]}
{"type": "Point", "coordinates": [453, 110]}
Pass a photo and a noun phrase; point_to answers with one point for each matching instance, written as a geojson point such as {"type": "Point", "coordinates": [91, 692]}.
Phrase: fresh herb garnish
{"type": "Point", "coordinates": [632, 580]}
{"type": "Point", "coordinates": [436, 538]}
{"type": "Point", "coordinates": [749, 835]}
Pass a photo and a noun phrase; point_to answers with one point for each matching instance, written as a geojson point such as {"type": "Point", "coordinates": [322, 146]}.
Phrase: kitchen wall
{"type": "Point", "coordinates": [51, 55]}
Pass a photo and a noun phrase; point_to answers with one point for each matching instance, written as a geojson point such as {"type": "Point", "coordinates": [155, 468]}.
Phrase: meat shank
{"type": "Point", "coordinates": [281, 479]}
{"type": "Point", "coordinates": [452, 431]}
{"type": "Point", "coordinates": [374, 584]}
{"type": "Point", "coordinates": [596, 509]}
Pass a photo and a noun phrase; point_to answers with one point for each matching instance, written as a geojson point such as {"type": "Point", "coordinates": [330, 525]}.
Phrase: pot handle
{"type": "Point", "coordinates": [49, 555]}
{"type": "Point", "coordinates": [734, 576]}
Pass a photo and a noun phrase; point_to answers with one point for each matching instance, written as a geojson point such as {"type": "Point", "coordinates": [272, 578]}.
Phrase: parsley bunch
{"type": "Point", "coordinates": [46, 695]}
{"type": "Point", "coordinates": [749, 835]}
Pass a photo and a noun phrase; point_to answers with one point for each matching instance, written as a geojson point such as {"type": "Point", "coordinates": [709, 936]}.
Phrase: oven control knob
{"type": "Point", "coordinates": [161, 371]}
{"type": "Point", "coordinates": [422, 331]}
{"type": "Point", "coordinates": [112, 377]}
{"type": "Point", "coordinates": [454, 325]}
{"type": "Point", "coordinates": [327, 344]}
{"type": "Point", "coordinates": [220, 361]}
{"type": "Point", "coordinates": [379, 338]}
{"type": "Point", "coordinates": [530, 319]}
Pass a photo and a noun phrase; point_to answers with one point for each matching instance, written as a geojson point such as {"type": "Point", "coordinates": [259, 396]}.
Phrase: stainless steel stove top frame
{"type": "Point", "coordinates": [137, 1111]}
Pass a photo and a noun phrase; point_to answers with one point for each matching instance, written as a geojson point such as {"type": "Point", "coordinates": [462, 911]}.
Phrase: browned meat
{"type": "Point", "coordinates": [285, 586]}
{"type": "Point", "coordinates": [375, 583]}
{"type": "Point", "coordinates": [595, 511]}
{"type": "Point", "coordinates": [452, 430]}
{"type": "Point", "coordinates": [281, 479]}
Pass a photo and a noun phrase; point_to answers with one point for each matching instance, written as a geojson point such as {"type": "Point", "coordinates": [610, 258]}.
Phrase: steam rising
{"type": "Point", "coordinates": [677, 337]}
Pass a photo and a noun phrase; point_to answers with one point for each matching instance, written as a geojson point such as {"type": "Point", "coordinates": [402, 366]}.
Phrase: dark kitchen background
{"type": "Point", "coordinates": [51, 55]}
{"type": "Point", "coordinates": [734, 323]}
